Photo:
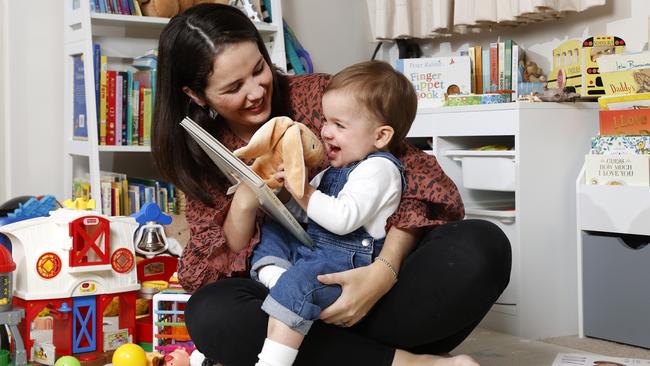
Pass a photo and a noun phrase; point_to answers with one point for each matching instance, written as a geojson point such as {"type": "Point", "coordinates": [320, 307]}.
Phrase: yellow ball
{"type": "Point", "coordinates": [129, 355]}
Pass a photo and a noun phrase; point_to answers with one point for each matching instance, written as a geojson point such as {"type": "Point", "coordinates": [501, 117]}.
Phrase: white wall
{"type": "Point", "coordinates": [336, 33]}
{"type": "Point", "coordinates": [34, 140]}
{"type": "Point", "coordinates": [3, 94]}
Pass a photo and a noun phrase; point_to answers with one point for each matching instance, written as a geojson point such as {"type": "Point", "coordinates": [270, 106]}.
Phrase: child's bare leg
{"type": "Point", "coordinates": [404, 358]}
{"type": "Point", "coordinates": [281, 345]}
{"type": "Point", "coordinates": [281, 333]}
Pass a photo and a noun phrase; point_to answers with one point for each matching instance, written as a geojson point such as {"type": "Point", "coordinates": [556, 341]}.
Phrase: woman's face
{"type": "Point", "coordinates": [240, 88]}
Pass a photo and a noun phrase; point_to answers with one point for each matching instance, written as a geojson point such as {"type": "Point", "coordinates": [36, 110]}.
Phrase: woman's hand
{"type": "Point", "coordinates": [362, 288]}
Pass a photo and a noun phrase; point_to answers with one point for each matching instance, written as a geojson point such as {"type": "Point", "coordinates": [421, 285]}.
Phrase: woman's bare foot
{"type": "Point", "coordinates": [404, 358]}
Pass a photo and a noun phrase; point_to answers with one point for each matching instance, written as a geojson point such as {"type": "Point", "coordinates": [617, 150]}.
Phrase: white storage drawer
{"type": "Point", "coordinates": [487, 170]}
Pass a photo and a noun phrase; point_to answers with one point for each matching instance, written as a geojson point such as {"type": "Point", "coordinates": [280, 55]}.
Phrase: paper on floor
{"type": "Point", "coordinates": [578, 359]}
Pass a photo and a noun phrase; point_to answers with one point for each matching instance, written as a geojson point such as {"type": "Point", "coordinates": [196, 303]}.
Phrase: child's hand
{"type": "Point", "coordinates": [303, 200]}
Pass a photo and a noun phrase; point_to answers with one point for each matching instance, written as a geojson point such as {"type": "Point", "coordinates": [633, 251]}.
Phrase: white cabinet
{"type": "Point", "coordinates": [122, 37]}
{"type": "Point", "coordinates": [529, 192]}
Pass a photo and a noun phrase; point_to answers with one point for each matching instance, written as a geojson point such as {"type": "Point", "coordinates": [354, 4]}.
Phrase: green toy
{"type": "Point", "coordinates": [67, 361]}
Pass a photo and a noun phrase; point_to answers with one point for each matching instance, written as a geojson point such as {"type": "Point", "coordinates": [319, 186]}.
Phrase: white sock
{"type": "Point", "coordinates": [276, 354]}
{"type": "Point", "coordinates": [270, 274]}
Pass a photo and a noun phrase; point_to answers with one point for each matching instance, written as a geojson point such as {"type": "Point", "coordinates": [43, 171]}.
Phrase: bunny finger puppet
{"type": "Point", "coordinates": [283, 141]}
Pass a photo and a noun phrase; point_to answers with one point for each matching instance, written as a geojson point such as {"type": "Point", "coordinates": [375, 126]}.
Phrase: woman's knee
{"type": "Point", "coordinates": [222, 314]}
{"type": "Point", "coordinates": [481, 244]}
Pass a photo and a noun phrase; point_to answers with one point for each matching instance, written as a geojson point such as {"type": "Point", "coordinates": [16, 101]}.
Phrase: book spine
{"type": "Point", "coordinates": [118, 108]}
{"type": "Point", "coordinates": [478, 69]}
{"type": "Point", "coordinates": [129, 108]}
{"type": "Point", "coordinates": [486, 70]}
{"type": "Point", "coordinates": [507, 69]}
{"type": "Point", "coordinates": [515, 71]}
{"type": "Point", "coordinates": [97, 52]}
{"type": "Point", "coordinates": [106, 197]}
{"type": "Point", "coordinates": [103, 95]}
{"type": "Point", "coordinates": [136, 113]}
{"type": "Point", "coordinates": [141, 116]}
{"type": "Point", "coordinates": [472, 64]}
{"type": "Point", "coordinates": [494, 66]}
{"type": "Point", "coordinates": [110, 107]}
{"type": "Point", "coordinates": [147, 117]}
{"type": "Point", "coordinates": [79, 129]}
{"type": "Point", "coordinates": [125, 102]}
{"type": "Point", "coordinates": [625, 122]}
{"type": "Point", "coordinates": [501, 66]}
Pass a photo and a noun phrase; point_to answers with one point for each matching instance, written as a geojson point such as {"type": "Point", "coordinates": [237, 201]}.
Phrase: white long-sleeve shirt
{"type": "Point", "coordinates": [371, 194]}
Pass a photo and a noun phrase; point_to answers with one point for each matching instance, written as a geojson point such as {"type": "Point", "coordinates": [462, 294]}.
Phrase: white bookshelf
{"type": "Point", "coordinates": [529, 192]}
{"type": "Point", "coordinates": [122, 37]}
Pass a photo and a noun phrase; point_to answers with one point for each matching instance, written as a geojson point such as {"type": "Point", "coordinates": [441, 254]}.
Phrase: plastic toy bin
{"type": "Point", "coordinates": [616, 290]}
{"type": "Point", "coordinates": [487, 170]}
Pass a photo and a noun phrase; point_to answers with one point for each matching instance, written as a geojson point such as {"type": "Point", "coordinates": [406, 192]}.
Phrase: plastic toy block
{"type": "Point", "coordinates": [34, 208]}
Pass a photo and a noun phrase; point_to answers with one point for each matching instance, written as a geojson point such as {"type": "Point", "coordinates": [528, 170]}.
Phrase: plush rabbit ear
{"type": "Point", "coordinates": [265, 138]}
{"type": "Point", "coordinates": [292, 158]}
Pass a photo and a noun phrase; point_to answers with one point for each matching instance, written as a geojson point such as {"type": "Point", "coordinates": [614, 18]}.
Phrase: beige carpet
{"type": "Point", "coordinates": [491, 348]}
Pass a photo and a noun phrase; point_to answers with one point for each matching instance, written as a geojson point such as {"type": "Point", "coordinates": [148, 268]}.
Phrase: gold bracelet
{"type": "Point", "coordinates": [387, 263]}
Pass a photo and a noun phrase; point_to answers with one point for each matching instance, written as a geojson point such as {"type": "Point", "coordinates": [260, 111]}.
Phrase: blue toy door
{"type": "Point", "coordinates": [84, 334]}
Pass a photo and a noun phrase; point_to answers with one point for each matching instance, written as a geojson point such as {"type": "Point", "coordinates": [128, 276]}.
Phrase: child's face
{"type": "Point", "coordinates": [349, 132]}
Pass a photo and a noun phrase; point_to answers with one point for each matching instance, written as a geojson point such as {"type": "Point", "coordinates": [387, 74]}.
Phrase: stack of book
{"type": "Point", "coordinates": [124, 7]}
{"type": "Point", "coordinates": [123, 196]}
{"type": "Point", "coordinates": [620, 154]}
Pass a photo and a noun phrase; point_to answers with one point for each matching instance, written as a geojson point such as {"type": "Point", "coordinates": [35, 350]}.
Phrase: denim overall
{"type": "Point", "coordinates": [298, 298]}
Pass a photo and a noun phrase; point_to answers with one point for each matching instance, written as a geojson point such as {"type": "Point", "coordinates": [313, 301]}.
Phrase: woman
{"type": "Point", "coordinates": [213, 66]}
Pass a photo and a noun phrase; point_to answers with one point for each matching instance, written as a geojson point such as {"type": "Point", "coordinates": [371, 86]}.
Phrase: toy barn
{"type": "Point", "coordinates": [70, 266]}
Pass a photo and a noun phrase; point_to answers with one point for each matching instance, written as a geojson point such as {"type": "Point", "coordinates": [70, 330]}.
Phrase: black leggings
{"type": "Point", "coordinates": [446, 286]}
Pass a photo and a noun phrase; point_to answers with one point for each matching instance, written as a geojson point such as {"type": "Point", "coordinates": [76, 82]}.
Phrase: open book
{"type": "Point", "coordinates": [236, 171]}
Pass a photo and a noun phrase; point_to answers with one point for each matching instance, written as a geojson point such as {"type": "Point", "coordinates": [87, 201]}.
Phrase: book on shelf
{"type": "Point", "coordinates": [123, 92]}
{"type": "Point", "coordinates": [122, 195]}
{"type": "Point", "coordinates": [433, 77]}
{"type": "Point", "coordinates": [494, 66]}
{"type": "Point", "coordinates": [485, 60]}
{"type": "Point", "coordinates": [625, 122]}
{"type": "Point", "coordinates": [80, 125]}
{"type": "Point", "coordinates": [620, 145]}
{"type": "Point", "coordinates": [237, 173]}
{"type": "Point", "coordinates": [103, 81]}
{"type": "Point", "coordinates": [620, 170]}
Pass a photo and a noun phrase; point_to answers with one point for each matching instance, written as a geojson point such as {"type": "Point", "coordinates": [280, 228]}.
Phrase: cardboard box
{"type": "Point", "coordinates": [625, 170]}
{"type": "Point", "coordinates": [625, 122]}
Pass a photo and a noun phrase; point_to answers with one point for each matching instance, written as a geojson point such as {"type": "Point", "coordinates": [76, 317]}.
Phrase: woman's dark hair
{"type": "Point", "coordinates": [186, 51]}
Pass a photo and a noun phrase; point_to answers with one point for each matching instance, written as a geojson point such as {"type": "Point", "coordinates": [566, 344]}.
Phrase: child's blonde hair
{"type": "Point", "coordinates": [382, 91]}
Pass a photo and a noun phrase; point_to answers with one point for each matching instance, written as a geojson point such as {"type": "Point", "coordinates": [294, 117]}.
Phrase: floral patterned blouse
{"type": "Point", "coordinates": [430, 198]}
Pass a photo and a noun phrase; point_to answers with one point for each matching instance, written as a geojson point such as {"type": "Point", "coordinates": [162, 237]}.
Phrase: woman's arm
{"type": "Point", "coordinates": [239, 225]}
{"type": "Point", "coordinates": [207, 256]}
{"type": "Point", "coordinates": [363, 287]}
